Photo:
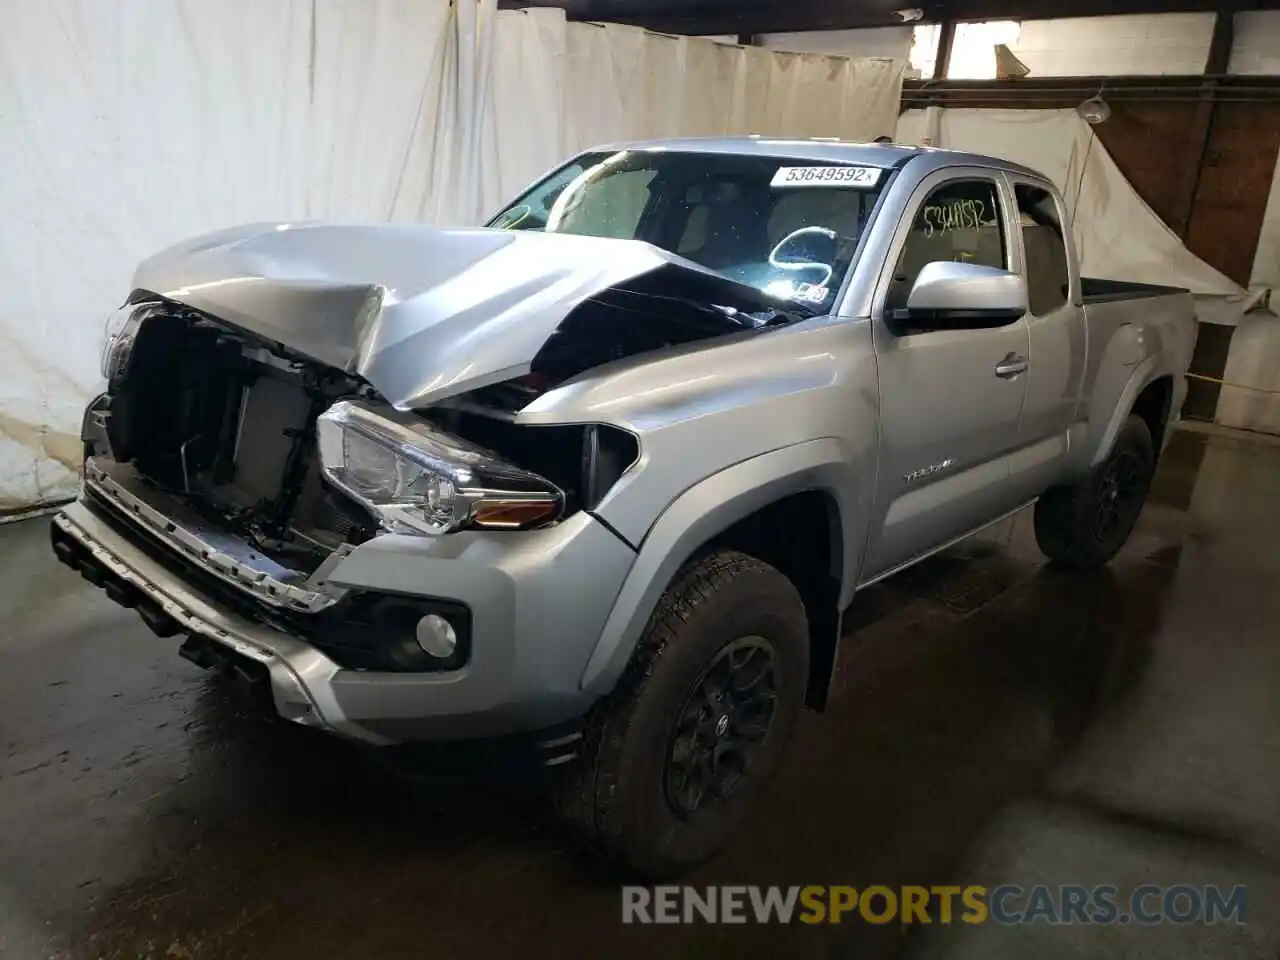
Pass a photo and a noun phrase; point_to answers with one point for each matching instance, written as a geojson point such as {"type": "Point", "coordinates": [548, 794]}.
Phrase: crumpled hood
{"type": "Point", "coordinates": [420, 313]}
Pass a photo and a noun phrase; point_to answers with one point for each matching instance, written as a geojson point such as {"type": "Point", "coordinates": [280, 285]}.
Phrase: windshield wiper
{"type": "Point", "coordinates": [768, 317]}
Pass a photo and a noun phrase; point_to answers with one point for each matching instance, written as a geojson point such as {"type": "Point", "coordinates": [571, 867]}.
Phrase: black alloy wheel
{"type": "Point", "coordinates": [1121, 491]}
{"type": "Point", "coordinates": [1085, 524]}
{"type": "Point", "coordinates": [718, 733]}
{"type": "Point", "coordinates": [675, 756]}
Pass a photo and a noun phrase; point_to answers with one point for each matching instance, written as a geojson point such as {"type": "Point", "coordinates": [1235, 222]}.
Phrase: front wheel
{"type": "Point", "coordinates": [676, 754]}
{"type": "Point", "coordinates": [1085, 525]}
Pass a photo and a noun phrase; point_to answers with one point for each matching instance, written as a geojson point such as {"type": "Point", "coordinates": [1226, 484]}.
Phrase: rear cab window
{"type": "Point", "coordinates": [1044, 249]}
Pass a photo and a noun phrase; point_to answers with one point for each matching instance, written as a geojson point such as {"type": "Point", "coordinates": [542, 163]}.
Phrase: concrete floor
{"type": "Point", "coordinates": [994, 721]}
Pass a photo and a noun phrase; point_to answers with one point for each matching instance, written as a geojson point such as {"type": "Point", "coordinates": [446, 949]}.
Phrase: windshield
{"type": "Point", "coordinates": [786, 227]}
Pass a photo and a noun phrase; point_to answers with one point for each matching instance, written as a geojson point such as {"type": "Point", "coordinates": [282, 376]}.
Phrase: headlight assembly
{"type": "Point", "coordinates": [416, 478]}
{"type": "Point", "coordinates": [121, 331]}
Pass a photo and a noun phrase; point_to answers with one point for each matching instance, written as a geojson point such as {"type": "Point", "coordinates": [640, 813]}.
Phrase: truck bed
{"type": "Point", "coordinates": [1096, 290]}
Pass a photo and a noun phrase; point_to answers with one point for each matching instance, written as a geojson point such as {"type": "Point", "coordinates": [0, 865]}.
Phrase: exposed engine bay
{"type": "Point", "coordinates": [223, 424]}
{"type": "Point", "coordinates": [232, 401]}
{"type": "Point", "coordinates": [228, 426]}
{"type": "Point", "coordinates": [425, 315]}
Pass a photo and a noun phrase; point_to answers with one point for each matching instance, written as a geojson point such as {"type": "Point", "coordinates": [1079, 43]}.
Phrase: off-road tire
{"type": "Point", "coordinates": [617, 794]}
{"type": "Point", "coordinates": [1068, 528]}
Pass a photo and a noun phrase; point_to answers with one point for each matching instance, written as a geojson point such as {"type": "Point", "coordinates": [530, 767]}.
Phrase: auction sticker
{"type": "Point", "coordinates": [826, 177]}
{"type": "Point", "coordinates": [810, 292]}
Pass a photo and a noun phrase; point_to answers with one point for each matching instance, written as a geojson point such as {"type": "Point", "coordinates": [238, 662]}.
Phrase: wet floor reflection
{"type": "Point", "coordinates": [961, 687]}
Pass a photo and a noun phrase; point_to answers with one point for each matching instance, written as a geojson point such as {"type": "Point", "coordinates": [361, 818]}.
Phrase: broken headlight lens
{"type": "Point", "coordinates": [415, 478]}
{"type": "Point", "coordinates": [121, 331]}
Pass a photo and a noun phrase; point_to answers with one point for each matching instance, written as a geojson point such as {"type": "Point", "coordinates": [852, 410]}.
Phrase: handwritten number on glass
{"type": "Point", "coordinates": [942, 218]}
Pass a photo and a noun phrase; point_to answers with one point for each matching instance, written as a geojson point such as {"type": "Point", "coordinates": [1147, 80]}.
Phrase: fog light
{"type": "Point", "coordinates": [436, 636]}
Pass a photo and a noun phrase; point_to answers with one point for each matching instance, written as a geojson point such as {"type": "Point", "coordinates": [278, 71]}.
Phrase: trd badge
{"type": "Point", "coordinates": [930, 470]}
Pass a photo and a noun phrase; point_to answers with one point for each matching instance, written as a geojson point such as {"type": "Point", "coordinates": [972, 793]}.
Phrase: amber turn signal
{"type": "Point", "coordinates": [514, 514]}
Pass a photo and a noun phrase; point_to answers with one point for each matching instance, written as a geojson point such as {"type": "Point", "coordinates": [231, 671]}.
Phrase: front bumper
{"type": "Point", "coordinates": [538, 599]}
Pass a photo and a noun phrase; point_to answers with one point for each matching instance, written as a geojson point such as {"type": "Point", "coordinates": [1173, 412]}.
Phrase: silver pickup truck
{"type": "Point", "coordinates": [601, 476]}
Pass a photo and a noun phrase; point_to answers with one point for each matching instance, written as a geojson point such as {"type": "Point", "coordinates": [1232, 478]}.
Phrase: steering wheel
{"type": "Point", "coordinates": [511, 219]}
{"type": "Point", "coordinates": [802, 259]}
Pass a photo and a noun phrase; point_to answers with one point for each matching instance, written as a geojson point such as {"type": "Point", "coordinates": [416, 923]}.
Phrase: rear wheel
{"type": "Point", "coordinates": [1085, 525]}
{"type": "Point", "coordinates": [676, 754]}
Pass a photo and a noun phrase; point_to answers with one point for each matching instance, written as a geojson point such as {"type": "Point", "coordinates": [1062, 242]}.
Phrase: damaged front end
{"type": "Point", "coordinates": [422, 315]}
{"type": "Point", "coordinates": [208, 429]}
{"type": "Point", "coordinates": [251, 473]}
{"type": "Point", "coordinates": [312, 385]}
{"type": "Point", "coordinates": [256, 433]}
{"type": "Point", "coordinates": [224, 428]}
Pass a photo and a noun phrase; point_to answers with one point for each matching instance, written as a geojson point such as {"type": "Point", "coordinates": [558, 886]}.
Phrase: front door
{"type": "Point", "coordinates": [950, 399]}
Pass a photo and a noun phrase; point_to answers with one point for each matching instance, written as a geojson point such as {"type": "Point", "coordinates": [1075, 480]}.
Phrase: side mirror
{"type": "Point", "coordinates": [964, 296]}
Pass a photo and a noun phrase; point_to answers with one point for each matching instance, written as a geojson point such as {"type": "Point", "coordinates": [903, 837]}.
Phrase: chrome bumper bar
{"type": "Point", "coordinates": [225, 557]}
{"type": "Point", "coordinates": [301, 676]}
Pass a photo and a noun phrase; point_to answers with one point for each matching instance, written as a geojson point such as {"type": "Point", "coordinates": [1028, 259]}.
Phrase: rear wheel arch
{"type": "Point", "coordinates": [1152, 405]}
{"type": "Point", "coordinates": [1143, 378]}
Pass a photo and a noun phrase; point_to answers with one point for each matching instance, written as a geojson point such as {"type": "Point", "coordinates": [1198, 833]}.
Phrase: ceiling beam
{"type": "Point", "coordinates": [1056, 92]}
{"type": "Point", "coordinates": [1224, 38]}
{"type": "Point", "coordinates": [946, 40]}
{"type": "Point", "coordinates": [1048, 9]}
{"type": "Point", "coordinates": [781, 16]}
{"type": "Point", "coordinates": [1197, 148]}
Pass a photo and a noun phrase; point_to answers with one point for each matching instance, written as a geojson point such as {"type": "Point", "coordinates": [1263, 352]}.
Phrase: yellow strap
{"type": "Point", "coordinates": [1234, 386]}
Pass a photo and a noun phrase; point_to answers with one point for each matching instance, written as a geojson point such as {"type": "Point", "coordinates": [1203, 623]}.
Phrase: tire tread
{"type": "Point", "coordinates": [589, 799]}
{"type": "Point", "coordinates": [1060, 515]}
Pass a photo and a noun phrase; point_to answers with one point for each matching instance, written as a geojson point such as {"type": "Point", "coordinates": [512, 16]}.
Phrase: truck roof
{"type": "Point", "coordinates": [823, 150]}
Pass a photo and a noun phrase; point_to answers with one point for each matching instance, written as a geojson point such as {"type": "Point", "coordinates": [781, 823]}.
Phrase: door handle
{"type": "Point", "coordinates": [1011, 366]}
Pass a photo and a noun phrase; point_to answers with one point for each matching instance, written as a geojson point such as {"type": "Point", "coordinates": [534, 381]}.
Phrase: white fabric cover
{"type": "Point", "coordinates": [1117, 235]}
{"type": "Point", "coordinates": [1266, 261]}
{"type": "Point", "coordinates": [1254, 361]}
{"type": "Point", "coordinates": [127, 125]}
{"type": "Point", "coordinates": [560, 87]}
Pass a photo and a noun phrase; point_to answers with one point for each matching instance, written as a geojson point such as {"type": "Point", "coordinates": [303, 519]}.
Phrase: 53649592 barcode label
{"type": "Point", "coordinates": [826, 177]}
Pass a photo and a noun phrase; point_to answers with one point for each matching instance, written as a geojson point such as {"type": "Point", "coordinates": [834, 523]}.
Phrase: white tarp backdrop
{"type": "Point", "coordinates": [127, 125]}
{"type": "Point", "coordinates": [561, 87]}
